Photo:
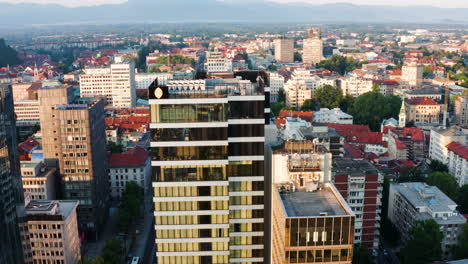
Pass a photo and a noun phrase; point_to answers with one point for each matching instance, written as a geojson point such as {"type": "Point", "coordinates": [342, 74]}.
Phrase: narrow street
{"type": "Point", "coordinates": [93, 249]}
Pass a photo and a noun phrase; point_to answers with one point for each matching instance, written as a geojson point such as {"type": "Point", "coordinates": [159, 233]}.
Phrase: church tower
{"type": "Point", "coordinates": [402, 115]}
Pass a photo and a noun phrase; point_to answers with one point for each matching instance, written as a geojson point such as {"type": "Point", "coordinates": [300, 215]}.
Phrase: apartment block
{"type": "Point", "coordinates": [441, 137]}
{"type": "Point", "coordinates": [360, 183]}
{"type": "Point", "coordinates": [297, 92]}
{"type": "Point", "coordinates": [276, 84]}
{"type": "Point", "coordinates": [335, 116]}
{"type": "Point", "coordinates": [313, 47]}
{"type": "Point", "coordinates": [49, 232]}
{"type": "Point", "coordinates": [461, 110]}
{"type": "Point", "coordinates": [74, 140]}
{"type": "Point", "coordinates": [458, 162]}
{"type": "Point", "coordinates": [414, 201]}
{"type": "Point", "coordinates": [207, 154]}
{"type": "Point", "coordinates": [284, 50]}
{"type": "Point", "coordinates": [356, 86]}
{"type": "Point", "coordinates": [412, 73]}
{"type": "Point", "coordinates": [116, 83]}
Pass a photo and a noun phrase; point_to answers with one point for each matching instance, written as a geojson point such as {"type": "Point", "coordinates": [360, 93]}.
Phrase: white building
{"type": "Point", "coordinates": [441, 137]}
{"type": "Point", "coordinates": [458, 162]}
{"type": "Point", "coordinates": [337, 116]}
{"type": "Point", "coordinates": [355, 86]}
{"type": "Point", "coordinates": [216, 62]}
{"type": "Point", "coordinates": [276, 84]}
{"type": "Point", "coordinates": [297, 91]}
{"type": "Point", "coordinates": [38, 181]}
{"type": "Point", "coordinates": [313, 47]}
{"type": "Point", "coordinates": [413, 201]}
{"type": "Point", "coordinates": [117, 83]}
{"type": "Point", "coordinates": [131, 166]}
{"type": "Point", "coordinates": [144, 80]}
{"type": "Point", "coordinates": [412, 74]}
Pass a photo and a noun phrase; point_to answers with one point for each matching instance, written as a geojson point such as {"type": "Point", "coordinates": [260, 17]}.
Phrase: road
{"type": "Point", "coordinates": [93, 249]}
{"type": "Point", "coordinates": [389, 258]}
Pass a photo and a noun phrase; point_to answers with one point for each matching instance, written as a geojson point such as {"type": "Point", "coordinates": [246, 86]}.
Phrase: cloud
{"type": "Point", "coordinates": [436, 3]}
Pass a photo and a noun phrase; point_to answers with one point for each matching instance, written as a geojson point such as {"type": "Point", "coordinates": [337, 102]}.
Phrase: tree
{"type": "Point", "coordinates": [273, 68]}
{"type": "Point", "coordinates": [347, 102]}
{"type": "Point", "coordinates": [297, 56]}
{"type": "Point", "coordinates": [281, 95]}
{"type": "Point", "coordinates": [411, 174]}
{"type": "Point", "coordinates": [276, 108]}
{"type": "Point", "coordinates": [309, 105]}
{"type": "Point", "coordinates": [8, 56]}
{"type": "Point", "coordinates": [462, 200]}
{"type": "Point", "coordinates": [424, 245]}
{"type": "Point", "coordinates": [445, 182]}
{"type": "Point", "coordinates": [113, 252]}
{"type": "Point", "coordinates": [427, 71]}
{"type": "Point", "coordinates": [114, 147]}
{"type": "Point", "coordinates": [97, 260]}
{"type": "Point", "coordinates": [371, 108]}
{"type": "Point", "coordinates": [461, 249]}
{"type": "Point", "coordinates": [436, 165]}
{"type": "Point", "coordinates": [340, 64]}
{"type": "Point", "coordinates": [376, 88]}
{"type": "Point", "coordinates": [329, 96]}
{"type": "Point", "coordinates": [175, 59]}
{"type": "Point", "coordinates": [130, 207]}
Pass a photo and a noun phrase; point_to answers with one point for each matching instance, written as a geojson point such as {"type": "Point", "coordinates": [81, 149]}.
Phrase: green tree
{"type": "Point", "coordinates": [97, 260]}
{"type": "Point", "coordinates": [373, 107]}
{"type": "Point", "coordinates": [411, 174]}
{"type": "Point", "coordinates": [114, 147]}
{"type": "Point", "coordinates": [347, 102]}
{"type": "Point", "coordinates": [462, 200]}
{"type": "Point", "coordinates": [130, 207]}
{"type": "Point", "coordinates": [175, 59]}
{"type": "Point", "coordinates": [424, 245]}
{"type": "Point", "coordinates": [273, 68]}
{"type": "Point", "coordinates": [445, 182]}
{"type": "Point", "coordinates": [340, 64]}
{"type": "Point", "coordinates": [461, 249]}
{"type": "Point", "coordinates": [276, 108]}
{"type": "Point", "coordinates": [376, 88]}
{"type": "Point", "coordinates": [436, 165]}
{"type": "Point", "coordinates": [297, 56]}
{"type": "Point", "coordinates": [309, 105]}
{"type": "Point", "coordinates": [113, 252]}
{"type": "Point", "coordinates": [427, 71]}
{"type": "Point", "coordinates": [329, 96]}
{"type": "Point", "coordinates": [8, 56]}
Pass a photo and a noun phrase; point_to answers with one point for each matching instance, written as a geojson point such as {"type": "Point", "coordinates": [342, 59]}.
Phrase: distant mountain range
{"type": "Point", "coordinates": [138, 11]}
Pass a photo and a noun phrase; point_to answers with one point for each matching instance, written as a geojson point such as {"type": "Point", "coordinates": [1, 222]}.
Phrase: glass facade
{"type": "Point", "coordinates": [195, 200]}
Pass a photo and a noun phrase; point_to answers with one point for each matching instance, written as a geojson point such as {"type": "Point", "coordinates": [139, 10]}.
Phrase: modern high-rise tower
{"type": "Point", "coordinates": [10, 182]}
{"type": "Point", "coordinates": [284, 50]}
{"type": "Point", "coordinates": [208, 170]}
{"type": "Point", "coordinates": [74, 140]}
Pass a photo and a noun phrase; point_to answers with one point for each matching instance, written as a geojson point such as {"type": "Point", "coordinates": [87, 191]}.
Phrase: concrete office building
{"type": "Point", "coordinates": [74, 140]}
{"type": "Point", "coordinates": [414, 201]}
{"type": "Point", "coordinates": [284, 50]}
{"type": "Point", "coordinates": [360, 183]}
{"type": "Point", "coordinates": [313, 47]}
{"type": "Point", "coordinates": [10, 183]}
{"type": "Point", "coordinates": [144, 80]}
{"type": "Point", "coordinates": [39, 182]}
{"type": "Point", "coordinates": [49, 232]}
{"type": "Point", "coordinates": [207, 155]}
{"type": "Point", "coordinates": [311, 225]}
{"type": "Point", "coordinates": [116, 83]}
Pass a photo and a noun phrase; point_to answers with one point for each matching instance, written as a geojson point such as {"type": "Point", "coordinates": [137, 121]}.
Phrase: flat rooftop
{"type": "Point", "coordinates": [353, 167]}
{"type": "Point", "coordinates": [313, 204]}
{"type": "Point", "coordinates": [51, 207]}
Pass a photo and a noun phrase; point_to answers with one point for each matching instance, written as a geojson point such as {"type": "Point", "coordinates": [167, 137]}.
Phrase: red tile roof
{"type": "Point", "coordinates": [458, 149]}
{"type": "Point", "coordinates": [416, 134]}
{"type": "Point", "coordinates": [136, 156]}
{"type": "Point", "coordinates": [400, 144]}
{"type": "Point", "coordinates": [28, 145]}
{"type": "Point", "coordinates": [281, 119]}
{"type": "Point", "coordinates": [422, 101]}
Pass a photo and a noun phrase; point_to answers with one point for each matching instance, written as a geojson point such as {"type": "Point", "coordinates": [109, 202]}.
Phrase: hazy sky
{"type": "Point", "coordinates": [439, 3]}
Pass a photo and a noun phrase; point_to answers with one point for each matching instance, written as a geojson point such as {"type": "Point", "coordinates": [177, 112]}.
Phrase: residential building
{"type": "Point", "coordinates": [311, 225]}
{"type": "Point", "coordinates": [356, 86]}
{"type": "Point", "coordinates": [39, 182]}
{"type": "Point", "coordinates": [49, 232]}
{"type": "Point", "coordinates": [461, 110]}
{"type": "Point", "coordinates": [297, 92]}
{"type": "Point", "coordinates": [284, 50]}
{"type": "Point", "coordinates": [415, 201]}
{"type": "Point", "coordinates": [276, 84]}
{"type": "Point", "coordinates": [423, 110]}
{"type": "Point", "coordinates": [144, 80]}
{"type": "Point", "coordinates": [26, 105]}
{"type": "Point", "coordinates": [360, 184]}
{"type": "Point", "coordinates": [207, 155]}
{"type": "Point", "coordinates": [335, 115]}
{"type": "Point", "coordinates": [313, 47]}
{"type": "Point", "coordinates": [74, 140]}
{"type": "Point", "coordinates": [428, 93]}
{"type": "Point", "coordinates": [131, 166]}
{"type": "Point", "coordinates": [441, 137]}
{"type": "Point", "coordinates": [116, 83]}
{"type": "Point", "coordinates": [405, 143]}
{"type": "Point", "coordinates": [412, 73]}
{"type": "Point", "coordinates": [10, 184]}
{"type": "Point", "coordinates": [458, 162]}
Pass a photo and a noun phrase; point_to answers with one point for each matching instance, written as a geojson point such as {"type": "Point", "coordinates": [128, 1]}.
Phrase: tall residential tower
{"type": "Point", "coordinates": [208, 169]}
